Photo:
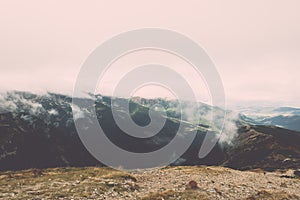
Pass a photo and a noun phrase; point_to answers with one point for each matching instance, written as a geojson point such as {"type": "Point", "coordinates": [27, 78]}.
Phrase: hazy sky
{"type": "Point", "coordinates": [254, 44]}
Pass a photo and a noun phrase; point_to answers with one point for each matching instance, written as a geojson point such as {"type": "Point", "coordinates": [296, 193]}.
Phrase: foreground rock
{"type": "Point", "coordinates": [165, 183]}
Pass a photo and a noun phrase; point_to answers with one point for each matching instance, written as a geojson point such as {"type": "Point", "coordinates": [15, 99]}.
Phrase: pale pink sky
{"type": "Point", "coordinates": [255, 44]}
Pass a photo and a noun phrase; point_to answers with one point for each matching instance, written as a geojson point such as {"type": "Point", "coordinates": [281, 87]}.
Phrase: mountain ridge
{"type": "Point", "coordinates": [37, 131]}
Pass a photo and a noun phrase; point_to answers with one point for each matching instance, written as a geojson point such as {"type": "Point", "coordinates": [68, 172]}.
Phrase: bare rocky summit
{"type": "Point", "coordinates": [180, 182]}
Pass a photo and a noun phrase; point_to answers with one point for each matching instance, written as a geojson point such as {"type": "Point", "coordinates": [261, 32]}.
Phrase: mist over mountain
{"type": "Point", "coordinates": [284, 117]}
{"type": "Point", "coordinates": [38, 131]}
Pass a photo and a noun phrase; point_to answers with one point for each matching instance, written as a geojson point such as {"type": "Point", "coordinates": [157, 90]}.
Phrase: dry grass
{"type": "Point", "coordinates": [60, 182]}
{"type": "Point", "coordinates": [270, 195]}
{"type": "Point", "coordinates": [170, 195]}
{"type": "Point", "coordinates": [182, 182]}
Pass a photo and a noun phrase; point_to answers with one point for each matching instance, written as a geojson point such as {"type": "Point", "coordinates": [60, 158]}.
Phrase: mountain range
{"type": "Point", "coordinates": [38, 131]}
{"type": "Point", "coordinates": [284, 117]}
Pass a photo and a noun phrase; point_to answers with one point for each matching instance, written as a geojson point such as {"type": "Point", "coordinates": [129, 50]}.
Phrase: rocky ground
{"type": "Point", "coordinates": [198, 182]}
